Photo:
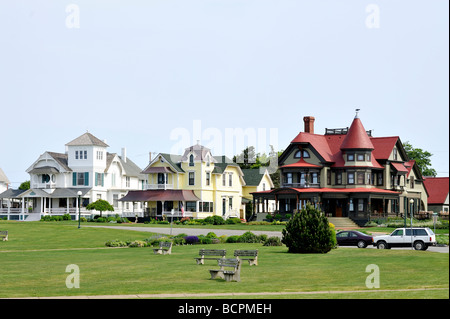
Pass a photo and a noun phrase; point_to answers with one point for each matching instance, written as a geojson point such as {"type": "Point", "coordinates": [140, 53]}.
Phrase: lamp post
{"type": "Point", "coordinates": [79, 208]}
{"type": "Point", "coordinates": [412, 202]}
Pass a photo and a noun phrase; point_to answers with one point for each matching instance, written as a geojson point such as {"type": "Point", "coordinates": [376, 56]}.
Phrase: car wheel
{"type": "Point", "coordinates": [382, 245]}
{"type": "Point", "coordinates": [419, 245]}
{"type": "Point", "coordinates": [362, 244]}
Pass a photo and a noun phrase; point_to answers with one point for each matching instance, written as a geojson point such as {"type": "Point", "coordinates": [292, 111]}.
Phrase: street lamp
{"type": "Point", "coordinates": [79, 193]}
{"type": "Point", "coordinates": [412, 207]}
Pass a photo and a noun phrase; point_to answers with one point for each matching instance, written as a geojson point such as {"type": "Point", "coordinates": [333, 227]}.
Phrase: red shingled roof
{"type": "Point", "coordinates": [357, 137]}
{"type": "Point", "coordinates": [438, 188]}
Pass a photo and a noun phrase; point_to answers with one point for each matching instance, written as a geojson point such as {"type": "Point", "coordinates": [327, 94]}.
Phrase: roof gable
{"type": "Point", "coordinates": [438, 189]}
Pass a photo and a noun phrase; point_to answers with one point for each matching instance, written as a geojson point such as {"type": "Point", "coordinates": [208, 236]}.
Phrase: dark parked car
{"type": "Point", "coordinates": [353, 238]}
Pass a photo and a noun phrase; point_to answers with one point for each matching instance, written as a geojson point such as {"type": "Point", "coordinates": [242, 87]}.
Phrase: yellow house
{"type": "Point", "coordinates": [195, 184]}
{"type": "Point", "coordinates": [257, 180]}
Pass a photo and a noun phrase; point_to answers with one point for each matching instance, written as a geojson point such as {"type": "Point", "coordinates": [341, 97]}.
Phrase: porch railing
{"type": "Point", "coordinates": [159, 186]}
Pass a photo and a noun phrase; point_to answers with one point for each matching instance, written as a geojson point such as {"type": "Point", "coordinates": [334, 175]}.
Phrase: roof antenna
{"type": "Point", "coordinates": [356, 116]}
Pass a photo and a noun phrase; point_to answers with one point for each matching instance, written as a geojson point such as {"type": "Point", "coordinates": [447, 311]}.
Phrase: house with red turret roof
{"type": "Point", "coordinates": [347, 173]}
{"type": "Point", "coordinates": [438, 189]}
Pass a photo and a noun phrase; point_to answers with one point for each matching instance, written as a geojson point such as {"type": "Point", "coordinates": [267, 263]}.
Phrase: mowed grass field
{"type": "Point", "coordinates": [33, 264]}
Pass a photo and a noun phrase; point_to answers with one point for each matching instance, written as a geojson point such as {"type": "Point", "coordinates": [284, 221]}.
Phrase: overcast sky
{"type": "Point", "coordinates": [155, 75]}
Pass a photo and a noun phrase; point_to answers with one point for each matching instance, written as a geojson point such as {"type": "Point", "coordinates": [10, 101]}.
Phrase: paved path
{"type": "Point", "coordinates": [194, 231]}
{"type": "Point", "coordinates": [228, 232]}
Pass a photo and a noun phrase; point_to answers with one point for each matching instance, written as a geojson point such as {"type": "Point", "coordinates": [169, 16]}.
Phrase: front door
{"type": "Point", "coordinates": [158, 208]}
{"type": "Point", "coordinates": [224, 206]}
{"type": "Point", "coordinates": [338, 211]}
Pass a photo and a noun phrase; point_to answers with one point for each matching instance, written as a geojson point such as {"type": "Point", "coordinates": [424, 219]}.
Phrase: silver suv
{"type": "Point", "coordinates": [421, 239]}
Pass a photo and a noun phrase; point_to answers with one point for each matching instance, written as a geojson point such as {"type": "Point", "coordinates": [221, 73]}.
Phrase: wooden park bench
{"type": "Point", "coordinates": [165, 248]}
{"type": "Point", "coordinates": [218, 253]}
{"type": "Point", "coordinates": [250, 255]}
{"type": "Point", "coordinates": [229, 275]}
{"type": "Point", "coordinates": [4, 234]}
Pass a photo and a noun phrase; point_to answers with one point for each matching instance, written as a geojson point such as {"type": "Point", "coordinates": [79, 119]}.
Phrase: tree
{"type": "Point", "coordinates": [308, 231]}
{"type": "Point", "coordinates": [101, 206]}
{"type": "Point", "coordinates": [422, 159]}
{"type": "Point", "coordinates": [25, 186]}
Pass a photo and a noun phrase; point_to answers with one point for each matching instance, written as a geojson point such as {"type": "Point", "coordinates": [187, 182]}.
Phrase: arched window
{"type": "Point", "coordinates": [191, 160]}
{"type": "Point", "coordinates": [302, 153]}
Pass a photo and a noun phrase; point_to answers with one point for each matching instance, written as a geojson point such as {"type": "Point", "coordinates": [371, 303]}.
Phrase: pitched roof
{"type": "Point", "coordinates": [3, 177]}
{"type": "Point", "coordinates": [87, 139]}
{"type": "Point", "coordinates": [199, 152]}
{"type": "Point", "coordinates": [357, 137]}
{"type": "Point", "coordinates": [438, 189]}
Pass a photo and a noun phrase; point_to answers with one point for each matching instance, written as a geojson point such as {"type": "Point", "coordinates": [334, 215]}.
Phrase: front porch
{"type": "Point", "coordinates": [358, 204]}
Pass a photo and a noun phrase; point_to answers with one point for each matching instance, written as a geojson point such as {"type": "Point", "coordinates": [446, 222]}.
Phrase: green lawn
{"type": "Point", "coordinates": [34, 260]}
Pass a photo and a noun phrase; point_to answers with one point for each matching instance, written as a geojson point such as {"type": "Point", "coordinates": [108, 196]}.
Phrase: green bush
{"type": "Point", "coordinates": [214, 220]}
{"type": "Point", "coordinates": [248, 237]}
{"type": "Point", "coordinates": [66, 217]}
{"type": "Point", "coordinates": [309, 232]}
{"type": "Point", "coordinates": [272, 241]}
{"type": "Point", "coordinates": [116, 243]}
{"type": "Point", "coordinates": [138, 243]}
{"type": "Point", "coordinates": [232, 239]}
{"type": "Point", "coordinates": [233, 220]}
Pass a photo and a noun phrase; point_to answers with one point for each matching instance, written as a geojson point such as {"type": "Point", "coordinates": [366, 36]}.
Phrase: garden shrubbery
{"type": "Point", "coordinates": [309, 232]}
{"type": "Point", "coordinates": [210, 238]}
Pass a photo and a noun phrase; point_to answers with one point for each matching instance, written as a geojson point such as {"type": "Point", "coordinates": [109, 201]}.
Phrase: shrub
{"type": "Point", "coordinates": [66, 217]}
{"type": "Point", "coordinates": [214, 220]}
{"type": "Point", "coordinates": [273, 241]}
{"type": "Point", "coordinates": [191, 240]}
{"type": "Point", "coordinates": [309, 232]}
{"type": "Point", "coordinates": [205, 240]}
{"type": "Point", "coordinates": [179, 241]}
{"type": "Point", "coordinates": [248, 237]}
{"type": "Point", "coordinates": [138, 243]}
{"type": "Point", "coordinates": [211, 235]}
{"type": "Point", "coordinates": [232, 239]}
{"type": "Point", "coordinates": [233, 220]}
{"type": "Point", "coordinates": [116, 243]}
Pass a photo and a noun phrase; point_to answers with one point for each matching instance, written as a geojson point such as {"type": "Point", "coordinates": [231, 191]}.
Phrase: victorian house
{"type": "Point", "coordinates": [86, 172]}
{"type": "Point", "coordinates": [195, 184]}
{"type": "Point", "coordinates": [347, 173]}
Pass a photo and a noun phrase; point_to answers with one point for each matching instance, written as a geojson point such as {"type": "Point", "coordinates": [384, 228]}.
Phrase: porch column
{"type": "Point", "coordinates": [67, 205]}
{"type": "Point", "coordinates": [23, 205]}
{"type": "Point", "coordinates": [42, 205]}
{"type": "Point", "coordinates": [9, 207]}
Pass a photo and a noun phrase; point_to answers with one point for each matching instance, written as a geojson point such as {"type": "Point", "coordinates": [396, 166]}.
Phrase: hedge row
{"type": "Point", "coordinates": [210, 238]}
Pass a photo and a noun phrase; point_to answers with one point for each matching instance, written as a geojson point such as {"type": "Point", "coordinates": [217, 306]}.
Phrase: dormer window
{"type": "Point", "coordinates": [191, 160]}
{"type": "Point", "coordinates": [350, 157]}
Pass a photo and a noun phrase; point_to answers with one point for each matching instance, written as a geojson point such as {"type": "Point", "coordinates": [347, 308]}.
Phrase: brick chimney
{"type": "Point", "coordinates": [309, 124]}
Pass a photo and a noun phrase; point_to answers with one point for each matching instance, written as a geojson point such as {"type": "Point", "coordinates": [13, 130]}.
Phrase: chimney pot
{"type": "Point", "coordinates": [309, 124]}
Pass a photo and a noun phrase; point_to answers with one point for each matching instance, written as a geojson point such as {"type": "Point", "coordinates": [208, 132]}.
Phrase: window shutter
{"type": "Point", "coordinates": [95, 179]}
{"type": "Point", "coordinates": [103, 179]}
{"type": "Point", "coordinates": [86, 179]}
{"type": "Point", "coordinates": [74, 179]}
